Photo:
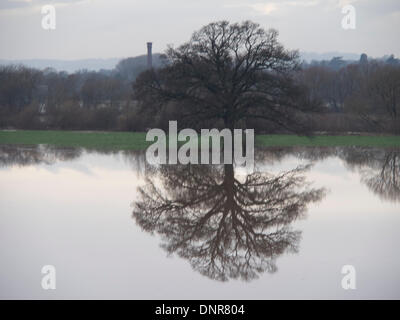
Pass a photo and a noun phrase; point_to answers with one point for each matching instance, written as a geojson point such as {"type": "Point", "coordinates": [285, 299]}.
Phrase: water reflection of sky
{"type": "Point", "coordinates": [74, 211]}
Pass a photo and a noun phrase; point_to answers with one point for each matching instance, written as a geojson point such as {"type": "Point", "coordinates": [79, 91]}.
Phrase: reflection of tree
{"type": "Point", "coordinates": [29, 155]}
{"type": "Point", "coordinates": [271, 155]}
{"type": "Point", "coordinates": [385, 181]}
{"type": "Point", "coordinates": [46, 154]}
{"type": "Point", "coordinates": [379, 169]}
{"type": "Point", "coordinates": [225, 226]}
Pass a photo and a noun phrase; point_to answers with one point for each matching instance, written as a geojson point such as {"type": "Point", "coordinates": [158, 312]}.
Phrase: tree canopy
{"type": "Point", "coordinates": [227, 72]}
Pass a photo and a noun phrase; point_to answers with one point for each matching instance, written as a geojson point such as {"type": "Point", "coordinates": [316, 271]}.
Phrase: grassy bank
{"type": "Point", "coordinates": [136, 140]}
{"type": "Point", "coordinates": [329, 140]}
{"type": "Point", "coordinates": [97, 140]}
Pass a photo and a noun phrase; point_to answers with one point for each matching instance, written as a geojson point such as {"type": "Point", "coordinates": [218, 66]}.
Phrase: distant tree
{"type": "Point", "coordinates": [317, 79]}
{"type": "Point", "coordinates": [331, 87]}
{"type": "Point", "coordinates": [60, 88]}
{"type": "Point", "coordinates": [100, 88]}
{"type": "Point", "coordinates": [91, 93]}
{"type": "Point", "coordinates": [337, 63]}
{"type": "Point", "coordinates": [128, 69]}
{"type": "Point", "coordinates": [392, 60]}
{"type": "Point", "coordinates": [227, 72]}
{"type": "Point", "coordinates": [363, 59]}
{"type": "Point", "coordinates": [17, 86]}
{"type": "Point", "coordinates": [384, 86]}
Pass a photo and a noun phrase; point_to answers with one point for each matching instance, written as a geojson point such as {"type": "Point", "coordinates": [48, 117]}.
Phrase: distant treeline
{"type": "Point", "coordinates": [356, 96]}
{"type": "Point", "coordinates": [362, 96]}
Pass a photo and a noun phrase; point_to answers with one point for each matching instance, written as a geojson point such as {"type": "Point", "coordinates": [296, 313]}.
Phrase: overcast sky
{"type": "Point", "coordinates": [121, 28]}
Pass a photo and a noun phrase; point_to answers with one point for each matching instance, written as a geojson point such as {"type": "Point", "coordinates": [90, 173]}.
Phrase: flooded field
{"type": "Point", "coordinates": [114, 227]}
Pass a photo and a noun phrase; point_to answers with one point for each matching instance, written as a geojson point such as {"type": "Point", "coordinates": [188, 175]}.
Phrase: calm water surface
{"type": "Point", "coordinates": [116, 228]}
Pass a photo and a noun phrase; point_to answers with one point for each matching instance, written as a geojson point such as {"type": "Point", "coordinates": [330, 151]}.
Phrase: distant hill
{"type": "Point", "coordinates": [108, 64]}
{"type": "Point", "coordinates": [66, 65]}
{"type": "Point", "coordinates": [310, 56]}
{"type": "Point", "coordinates": [72, 66]}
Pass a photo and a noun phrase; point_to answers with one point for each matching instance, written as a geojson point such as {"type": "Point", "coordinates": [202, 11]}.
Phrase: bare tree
{"type": "Point", "coordinates": [17, 85]}
{"type": "Point", "coordinates": [385, 87]}
{"type": "Point", "coordinates": [227, 72]}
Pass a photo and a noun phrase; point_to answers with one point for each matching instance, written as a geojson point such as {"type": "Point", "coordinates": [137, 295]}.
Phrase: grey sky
{"type": "Point", "coordinates": [120, 28]}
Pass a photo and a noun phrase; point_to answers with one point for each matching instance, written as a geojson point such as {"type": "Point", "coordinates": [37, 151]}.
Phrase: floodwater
{"type": "Point", "coordinates": [113, 227]}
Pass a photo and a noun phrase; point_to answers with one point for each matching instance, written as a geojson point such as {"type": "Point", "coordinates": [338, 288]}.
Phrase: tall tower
{"type": "Point", "coordinates": [149, 56]}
